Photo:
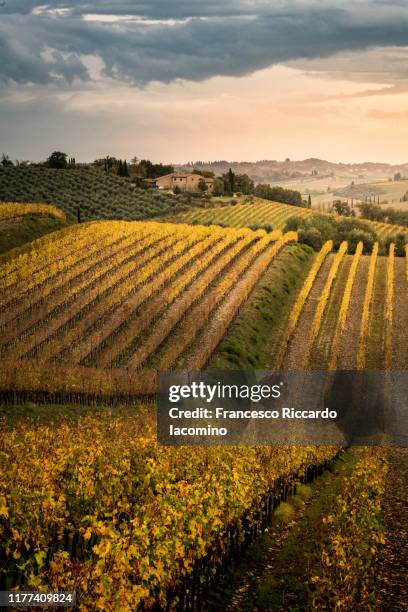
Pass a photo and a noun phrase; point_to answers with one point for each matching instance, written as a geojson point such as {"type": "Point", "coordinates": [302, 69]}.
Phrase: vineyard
{"type": "Point", "coordinates": [12, 210]}
{"type": "Point", "coordinates": [104, 305]}
{"type": "Point", "coordinates": [354, 317]}
{"type": "Point", "coordinates": [124, 297]}
{"type": "Point", "coordinates": [189, 508]}
{"type": "Point", "coordinates": [263, 213]}
{"type": "Point", "coordinates": [260, 213]}
{"type": "Point", "coordinates": [96, 194]}
{"type": "Point", "coordinates": [348, 314]}
{"type": "Point", "coordinates": [87, 317]}
{"type": "Point", "coordinates": [203, 362]}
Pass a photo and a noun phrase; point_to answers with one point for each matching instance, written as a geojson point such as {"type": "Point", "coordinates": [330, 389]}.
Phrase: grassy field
{"type": "Point", "coordinates": [388, 192]}
{"type": "Point", "coordinates": [16, 232]}
{"type": "Point", "coordinates": [22, 223]}
{"type": "Point", "coordinates": [323, 189]}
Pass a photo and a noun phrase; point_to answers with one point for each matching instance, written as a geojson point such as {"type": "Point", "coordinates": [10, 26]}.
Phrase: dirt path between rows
{"type": "Point", "coordinates": [350, 340]}
{"type": "Point", "coordinates": [394, 560]}
{"type": "Point", "coordinates": [400, 316]}
{"type": "Point", "coordinates": [273, 574]}
{"type": "Point", "coordinates": [297, 350]}
{"type": "Point", "coordinates": [376, 327]}
{"type": "Point", "coordinates": [241, 600]}
{"type": "Point", "coordinates": [321, 350]}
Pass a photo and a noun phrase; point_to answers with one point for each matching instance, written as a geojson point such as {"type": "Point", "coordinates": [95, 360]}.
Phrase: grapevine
{"type": "Point", "coordinates": [215, 331]}
{"type": "Point", "coordinates": [344, 307]}
{"type": "Point", "coordinates": [354, 537]}
{"type": "Point", "coordinates": [324, 298]}
{"type": "Point", "coordinates": [389, 307]}
{"type": "Point", "coordinates": [301, 300]}
{"type": "Point", "coordinates": [261, 213]}
{"type": "Point", "coordinates": [119, 518]}
{"type": "Point", "coordinates": [367, 305]}
{"type": "Point", "coordinates": [13, 210]}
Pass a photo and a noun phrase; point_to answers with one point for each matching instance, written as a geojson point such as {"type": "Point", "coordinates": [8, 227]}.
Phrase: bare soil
{"type": "Point", "coordinates": [351, 335]}
{"type": "Point", "coordinates": [400, 316]}
{"type": "Point", "coordinates": [376, 327]}
{"type": "Point", "coordinates": [296, 353]}
{"type": "Point", "coordinates": [321, 351]}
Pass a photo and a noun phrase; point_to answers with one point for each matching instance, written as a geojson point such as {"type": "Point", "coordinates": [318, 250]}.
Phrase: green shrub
{"type": "Point", "coordinates": [400, 240]}
{"type": "Point", "coordinates": [312, 237]}
{"type": "Point", "coordinates": [293, 224]}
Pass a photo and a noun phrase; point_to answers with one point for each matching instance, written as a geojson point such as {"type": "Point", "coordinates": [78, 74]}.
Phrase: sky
{"type": "Point", "coordinates": [179, 80]}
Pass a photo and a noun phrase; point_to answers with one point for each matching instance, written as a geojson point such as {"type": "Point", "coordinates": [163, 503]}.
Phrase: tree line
{"type": "Point", "coordinates": [372, 212]}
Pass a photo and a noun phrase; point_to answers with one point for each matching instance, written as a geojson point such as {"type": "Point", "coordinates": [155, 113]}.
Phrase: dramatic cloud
{"type": "Point", "coordinates": [177, 79]}
{"type": "Point", "coordinates": [388, 65]}
{"type": "Point", "coordinates": [179, 40]}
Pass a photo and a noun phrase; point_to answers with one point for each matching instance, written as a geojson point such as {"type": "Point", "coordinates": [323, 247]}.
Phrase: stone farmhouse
{"type": "Point", "coordinates": [185, 181]}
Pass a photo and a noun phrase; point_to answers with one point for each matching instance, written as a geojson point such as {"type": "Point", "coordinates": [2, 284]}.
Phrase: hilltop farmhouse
{"type": "Point", "coordinates": [185, 181]}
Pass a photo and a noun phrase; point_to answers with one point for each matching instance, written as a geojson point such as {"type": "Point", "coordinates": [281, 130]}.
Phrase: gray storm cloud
{"type": "Point", "coordinates": [166, 41]}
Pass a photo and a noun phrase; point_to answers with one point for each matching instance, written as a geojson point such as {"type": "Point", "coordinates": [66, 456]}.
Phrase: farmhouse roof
{"type": "Point", "coordinates": [183, 175]}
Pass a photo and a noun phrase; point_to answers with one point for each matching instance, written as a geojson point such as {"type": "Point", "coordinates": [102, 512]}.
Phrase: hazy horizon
{"type": "Point", "coordinates": [214, 160]}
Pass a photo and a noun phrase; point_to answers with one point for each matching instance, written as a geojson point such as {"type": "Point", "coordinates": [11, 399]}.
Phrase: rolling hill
{"type": "Point", "coordinates": [266, 214]}
{"type": "Point", "coordinates": [96, 194]}
{"type": "Point", "coordinates": [140, 296]}
{"type": "Point", "coordinates": [87, 316]}
{"type": "Point", "coordinates": [270, 171]}
{"type": "Point", "coordinates": [104, 305]}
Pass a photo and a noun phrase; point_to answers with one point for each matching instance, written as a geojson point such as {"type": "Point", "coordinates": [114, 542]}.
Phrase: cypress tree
{"type": "Point", "coordinates": [231, 180]}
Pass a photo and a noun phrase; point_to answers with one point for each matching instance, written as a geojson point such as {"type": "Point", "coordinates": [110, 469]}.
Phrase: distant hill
{"type": "Point", "coordinates": [272, 170]}
{"type": "Point", "coordinates": [97, 194]}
